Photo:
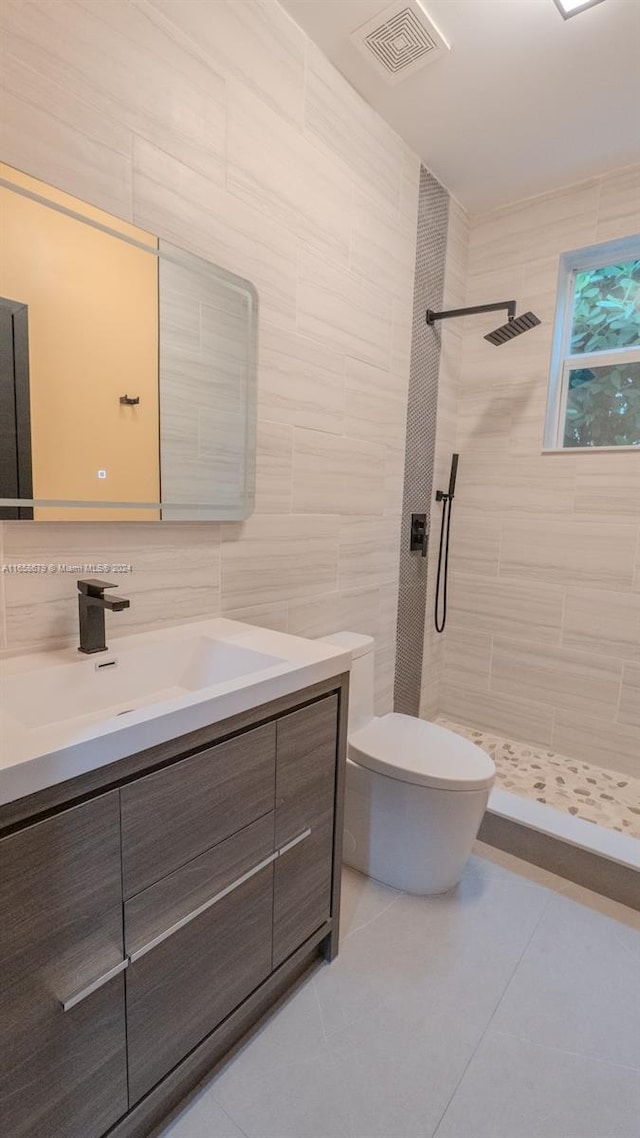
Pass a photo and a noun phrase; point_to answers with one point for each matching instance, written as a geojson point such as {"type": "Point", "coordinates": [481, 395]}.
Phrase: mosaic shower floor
{"type": "Point", "coordinates": [604, 797]}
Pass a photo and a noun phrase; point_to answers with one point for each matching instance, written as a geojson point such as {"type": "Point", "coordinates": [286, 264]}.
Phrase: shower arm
{"type": "Point", "coordinates": [510, 306]}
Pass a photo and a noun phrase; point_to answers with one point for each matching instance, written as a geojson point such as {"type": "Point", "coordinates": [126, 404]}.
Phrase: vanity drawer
{"type": "Point", "coordinates": [63, 1043]}
{"type": "Point", "coordinates": [305, 796]}
{"type": "Point", "coordinates": [302, 890]}
{"type": "Point", "coordinates": [181, 990]}
{"type": "Point", "coordinates": [174, 815]}
{"type": "Point", "coordinates": [159, 911]}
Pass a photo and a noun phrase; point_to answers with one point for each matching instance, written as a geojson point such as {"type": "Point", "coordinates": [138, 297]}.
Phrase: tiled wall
{"type": "Point", "coordinates": [431, 256]}
{"type": "Point", "coordinates": [450, 333]}
{"type": "Point", "coordinates": [222, 128]}
{"type": "Point", "coordinates": [543, 639]}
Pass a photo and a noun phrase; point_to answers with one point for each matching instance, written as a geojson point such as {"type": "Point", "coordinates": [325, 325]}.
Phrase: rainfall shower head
{"type": "Point", "coordinates": [514, 326]}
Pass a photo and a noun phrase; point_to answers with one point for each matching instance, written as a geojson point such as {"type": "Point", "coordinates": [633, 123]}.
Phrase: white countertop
{"type": "Point", "coordinates": [35, 757]}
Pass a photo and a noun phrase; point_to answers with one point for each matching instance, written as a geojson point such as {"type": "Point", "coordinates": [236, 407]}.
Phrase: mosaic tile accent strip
{"type": "Point", "coordinates": [433, 218]}
{"type": "Point", "coordinates": [604, 797]}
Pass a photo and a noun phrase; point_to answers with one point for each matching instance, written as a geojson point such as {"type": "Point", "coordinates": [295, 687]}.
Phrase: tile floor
{"type": "Point", "coordinates": [509, 1008]}
{"type": "Point", "coordinates": [602, 796]}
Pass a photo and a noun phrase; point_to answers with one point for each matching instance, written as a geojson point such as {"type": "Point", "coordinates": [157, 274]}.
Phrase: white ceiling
{"type": "Point", "coordinates": [524, 102]}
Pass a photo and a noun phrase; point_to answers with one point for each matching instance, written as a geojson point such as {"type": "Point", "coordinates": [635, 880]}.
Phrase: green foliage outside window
{"type": "Point", "coordinates": [606, 308]}
{"type": "Point", "coordinates": [603, 403]}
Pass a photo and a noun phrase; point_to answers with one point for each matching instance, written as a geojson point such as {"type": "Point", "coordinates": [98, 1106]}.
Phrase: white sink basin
{"type": "Point", "coordinates": [113, 683]}
{"type": "Point", "coordinates": [63, 714]}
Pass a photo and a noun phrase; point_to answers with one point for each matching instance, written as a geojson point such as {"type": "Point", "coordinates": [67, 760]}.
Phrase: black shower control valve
{"type": "Point", "coordinates": [419, 534]}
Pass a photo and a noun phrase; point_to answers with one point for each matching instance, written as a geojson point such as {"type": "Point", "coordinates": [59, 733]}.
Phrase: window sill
{"type": "Point", "coordinates": [589, 450]}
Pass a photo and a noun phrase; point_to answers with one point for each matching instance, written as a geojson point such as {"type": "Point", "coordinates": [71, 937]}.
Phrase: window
{"type": "Point", "coordinates": [594, 396]}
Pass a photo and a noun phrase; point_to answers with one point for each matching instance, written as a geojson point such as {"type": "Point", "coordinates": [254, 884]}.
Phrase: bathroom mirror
{"type": "Point", "coordinates": [127, 369]}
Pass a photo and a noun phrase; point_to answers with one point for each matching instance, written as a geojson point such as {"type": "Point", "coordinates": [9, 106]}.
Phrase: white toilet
{"type": "Point", "coordinates": [415, 793]}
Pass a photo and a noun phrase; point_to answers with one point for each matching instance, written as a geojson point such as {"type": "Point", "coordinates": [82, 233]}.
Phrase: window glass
{"type": "Point", "coordinates": [606, 308]}
{"type": "Point", "coordinates": [603, 406]}
{"type": "Point", "coordinates": [594, 382]}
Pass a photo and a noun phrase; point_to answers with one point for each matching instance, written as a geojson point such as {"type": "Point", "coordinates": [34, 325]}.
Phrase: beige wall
{"type": "Point", "coordinates": [220, 127]}
{"type": "Point", "coordinates": [543, 640]}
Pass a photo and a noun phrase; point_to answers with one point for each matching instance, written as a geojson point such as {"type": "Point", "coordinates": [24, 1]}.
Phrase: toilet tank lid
{"type": "Point", "coordinates": [423, 753]}
{"type": "Point", "coordinates": [353, 642]}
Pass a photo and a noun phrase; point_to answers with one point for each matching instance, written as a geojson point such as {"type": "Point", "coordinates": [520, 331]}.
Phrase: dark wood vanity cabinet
{"type": "Point", "coordinates": [171, 816]}
{"type": "Point", "coordinates": [185, 977]}
{"type": "Point", "coordinates": [63, 1068]}
{"type": "Point", "coordinates": [165, 914]}
{"type": "Point", "coordinates": [305, 789]}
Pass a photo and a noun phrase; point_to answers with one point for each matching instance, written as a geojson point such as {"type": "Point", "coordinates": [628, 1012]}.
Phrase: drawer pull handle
{"type": "Point", "coordinates": [200, 909]}
{"type": "Point", "coordinates": [186, 920]}
{"type": "Point", "coordinates": [294, 842]}
{"type": "Point", "coordinates": [93, 987]}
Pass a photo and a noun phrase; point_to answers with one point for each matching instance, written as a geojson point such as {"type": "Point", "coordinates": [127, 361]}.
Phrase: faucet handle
{"type": "Point", "coordinates": [94, 587]}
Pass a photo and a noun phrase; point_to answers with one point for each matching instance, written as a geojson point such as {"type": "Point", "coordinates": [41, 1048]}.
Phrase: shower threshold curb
{"type": "Point", "coordinates": [589, 855]}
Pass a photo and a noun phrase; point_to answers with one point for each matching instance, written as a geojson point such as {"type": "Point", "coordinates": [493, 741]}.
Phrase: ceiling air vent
{"type": "Point", "coordinates": [400, 40]}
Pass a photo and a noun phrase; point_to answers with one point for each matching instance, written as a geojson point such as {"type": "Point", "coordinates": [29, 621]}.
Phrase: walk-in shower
{"type": "Point", "coordinates": [514, 326]}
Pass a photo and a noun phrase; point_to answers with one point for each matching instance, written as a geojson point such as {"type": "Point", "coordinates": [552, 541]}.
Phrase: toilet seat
{"type": "Point", "coordinates": [415, 751]}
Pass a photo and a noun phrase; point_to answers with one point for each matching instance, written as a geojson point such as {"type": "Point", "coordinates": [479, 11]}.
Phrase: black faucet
{"type": "Point", "coordinates": [91, 608]}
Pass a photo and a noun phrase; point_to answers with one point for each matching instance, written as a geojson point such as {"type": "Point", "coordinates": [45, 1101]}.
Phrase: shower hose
{"type": "Point", "coordinates": [440, 613]}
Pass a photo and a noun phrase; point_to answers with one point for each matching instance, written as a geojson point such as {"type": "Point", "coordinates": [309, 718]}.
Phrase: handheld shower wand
{"type": "Point", "coordinates": [446, 497]}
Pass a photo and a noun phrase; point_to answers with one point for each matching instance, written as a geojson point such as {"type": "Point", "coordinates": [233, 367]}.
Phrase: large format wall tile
{"type": "Point", "coordinates": [274, 468]}
{"type": "Point", "coordinates": [271, 558]}
{"type": "Point", "coordinates": [535, 228]}
{"type": "Point", "coordinates": [365, 548]}
{"type": "Point", "coordinates": [343, 311]}
{"type": "Point", "coordinates": [612, 745]}
{"type": "Point", "coordinates": [563, 552]}
{"type": "Point", "coordinates": [37, 142]}
{"type": "Point", "coordinates": [354, 609]}
{"type": "Point", "coordinates": [526, 610]}
{"type": "Point", "coordinates": [383, 246]}
{"type": "Point", "coordinates": [274, 616]}
{"type": "Point", "coordinates": [370, 611]}
{"type": "Point", "coordinates": [182, 206]}
{"type": "Point", "coordinates": [520, 718]}
{"type": "Point", "coordinates": [496, 483]}
{"type": "Point", "coordinates": [220, 128]}
{"type": "Point", "coordinates": [130, 72]}
{"type": "Point", "coordinates": [559, 676]}
{"type": "Point", "coordinates": [475, 544]}
{"type": "Point", "coordinates": [29, 84]}
{"type": "Point", "coordinates": [608, 485]}
{"type": "Point", "coordinates": [338, 117]}
{"type": "Point", "coordinates": [619, 206]}
{"type": "Point", "coordinates": [301, 382]}
{"type": "Point", "coordinates": [252, 40]}
{"type": "Point", "coordinates": [374, 403]}
{"type": "Point", "coordinates": [331, 471]}
{"type": "Point", "coordinates": [174, 575]}
{"type": "Point", "coordinates": [271, 165]}
{"type": "Point", "coordinates": [467, 658]}
{"type": "Point", "coordinates": [602, 622]}
{"type": "Point", "coordinates": [629, 712]}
